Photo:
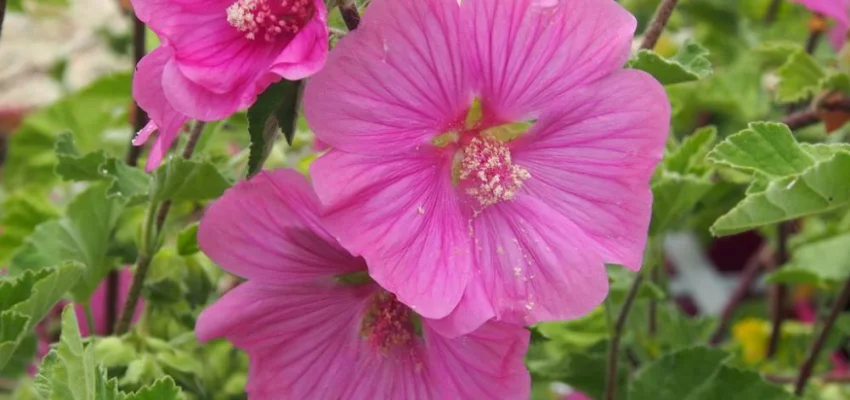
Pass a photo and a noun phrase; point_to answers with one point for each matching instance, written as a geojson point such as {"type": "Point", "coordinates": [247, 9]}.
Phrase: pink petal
{"type": "Point", "coordinates": [535, 263]}
{"type": "Point", "coordinates": [838, 35]}
{"type": "Point", "coordinates": [591, 161]}
{"type": "Point", "coordinates": [486, 364]}
{"type": "Point", "coordinates": [168, 17]}
{"type": "Point", "coordinates": [302, 340]}
{"type": "Point", "coordinates": [268, 229]}
{"type": "Point", "coordinates": [403, 374]}
{"type": "Point", "coordinates": [528, 54]}
{"type": "Point", "coordinates": [401, 214]}
{"type": "Point", "coordinates": [306, 53]}
{"type": "Point", "coordinates": [395, 83]}
{"type": "Point", "coordinates": [839, 10]}
{"type": "Point", "coordinates": [149, 92]}
{"type": "Point", "coordinates": [99, 308]}
{"type": "Point", "coordinates": [473, 311]}
{"type": "Point", "coordinates": [197, 101]}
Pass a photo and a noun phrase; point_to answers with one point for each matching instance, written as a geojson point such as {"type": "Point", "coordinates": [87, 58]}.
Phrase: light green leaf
{"type": "Point", "coordinates": [181, 179]}
{"type": "Point", "coordinates": [689, 64]}
{"type": "Point", "coordinates": [765, 147]}
{"type": "Point", "coordinates": [839, 81]}
{"type": "Point", "coordinates": [826, 260]}
{"type": "Point", "coordinates": [688, 156]}
{"type": "Point", "coordinates": [823, 187]}
{"type": "Point", "coordinates": [162, 389]}
{"type": "Point", "coordinates": [620, 280]}
{"type": "Point", "coordinates": [74, 166]}
{"type": "Point", "coordinates": [735, 384]}
{"type": "Point", "coordinates": [82, 234]}
{"type": "Point", "coordinates": [276, 108]}
{"type": "Point", "coordinates": [187, 241]}
{"type": "Point", "coordinates": [31, 296]}
{"type": "Point", "coordinates": [674, 196]}
{"type": "Point", "coordinates": [799, 78]}
{"type": "Point", "coordinates": [127, 182]}
{"type": "Point", "coordinates": [20, 213]}
{"type": "Point", "coordinates": [676, 376]}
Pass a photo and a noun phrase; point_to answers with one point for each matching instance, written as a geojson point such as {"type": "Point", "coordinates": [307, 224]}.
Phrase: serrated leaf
{"type": "Point", "coordinates": [821, 188]}
{"type": "Point", "coordinates": [776, 53]}
{"type": "Point", "coordinates": [691, 153]}
{"type": "Point", "coordinates": [839, 81]}
{"type": "Point", "coordinates": [20, 213]}
{"type": "Point", "coordinates": [799, 78]}
{"type": "Point", "coordinates": [21, 358]}
{"type": "Point", "coordinates": [75, 166]}
{"type": "Point", "coordinates": [162, 389]}
{"type": "Point", "coordinates": [765, 147]}
{"type": "Point", "coordinates": [689, 64]}
{"type": "Point", "coordinates": [13, 328]}
{"type": "Point", "coordinates": [127, 182]}
{"type": "Point", "coordinates": [735, 384]}
{"type": "Point", "coordinates": [187, 180]}
{"type": "Point", "coordinates": [276, 108]}
{"type": "Point", "coordinates": [82, 234]}
{"type": "Point", "coordinates": [822, 261]}
{"type": "Point", "coordinates": [32, 295]}
{"type": "Point", "coordinates": [674, 196]}
{"type": "Point", "coordinates": [676, 376]}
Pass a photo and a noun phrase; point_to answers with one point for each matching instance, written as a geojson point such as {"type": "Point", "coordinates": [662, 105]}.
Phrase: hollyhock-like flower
{"type": "Point", "coordinates": [218, 55]}
{"type": "Point", "coordinates": [316, 327]}
{"type": "Point", "coordinates": [489, 156]}
{"type": "Point", "coordinates": [837, 10]}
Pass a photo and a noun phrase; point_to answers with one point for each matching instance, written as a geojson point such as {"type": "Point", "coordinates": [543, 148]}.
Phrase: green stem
{"type": "Point", "coordinates": [89, 318]}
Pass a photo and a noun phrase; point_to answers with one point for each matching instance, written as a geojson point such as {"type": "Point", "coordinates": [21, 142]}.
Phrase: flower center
{"type": "Point", "coordinates": [388, 323]}
{"type": "Point", "coordinates": [487, 171]}
{"type": "Point", "coordinates": [269, 19]}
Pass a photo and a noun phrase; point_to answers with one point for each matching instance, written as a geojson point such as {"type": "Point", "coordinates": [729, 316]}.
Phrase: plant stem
{"type": "Point", "coordinates": [154, 222]}
{"type": "Point", "coordinates": [777, 291]}
{"type": "Point", "coordinates": [745, 281]}
{"type": "Point", "coordinates": [817, 346]}
{"type": "Point", "coordinates": [653, 304]}
{"type": "Point", "coordinates": [772, 11]}
{"type": "Point", "coordinates": [2, 15]}
{"type": "Point", "coordinates": [659, 21]}
{"type": "Point", "coordinates": [614, 347]}
{"type": "Point", "coordinates": [350, 15]}
{"type": "Point", "coordinates": [89, 319]}
{"type": "Point", "coordinates": [140, 116]}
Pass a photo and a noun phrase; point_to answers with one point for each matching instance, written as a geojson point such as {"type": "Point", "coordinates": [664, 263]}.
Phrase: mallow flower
{"type": "Point", "coordinates": [836, 10]}
{"type": "Point", "coordinates": [489, 156]}
{"type": "Point", "coordinates": [216, 56]}
{"type": "Point", "coordinates": [315, 326]}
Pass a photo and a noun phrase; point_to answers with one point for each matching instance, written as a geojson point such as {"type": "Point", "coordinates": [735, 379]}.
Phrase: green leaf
{"type": "Point", "coordinates": [674, 196]}
{"type": "Point", "coordinates": [21, 358]}
{"type": "Point", "coordinates": [839, 81]}
{"type": "Point", "coordinates": [691, 153]}
{"type": "Point", "coordinates": [765, 147]}
{"type": "Point", "coordinates": [162, 389]}
{"type": "Point", "coordinates": [621, 279]}
{"type": "Point", "coordinates": [826, 260]}
{"type": "Point", "coordinates": [74, 166]}
{"type": "Point", "coordinates": [735, 384]}
{"type": "Point", "coordinates": [823, 187]}
{"type": "Point", "coordinates": [82, 234]}
{"type": "Point", "coordinates": [31, 296]}
{"type": "Point", "coordinates": [676, 376]}
{"type": "Point", "coordinates": [187, 241]}
{"type": "Point", "coordinates": [276, 107]}
{"type": "Point", "coordinates": [689, 64]}
{"type": "Point", "coordinates": [187, 180]}
{"type": "Point", "coordinates": [799, 78]}
{"type": "Point", "coordinates": [127, 182]}
{"type": "Point", "coordinates": [20, 213]}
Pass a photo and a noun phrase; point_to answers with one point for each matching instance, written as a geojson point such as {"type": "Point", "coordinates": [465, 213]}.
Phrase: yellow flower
{"type": "Point", "coordinates": [752, 334]}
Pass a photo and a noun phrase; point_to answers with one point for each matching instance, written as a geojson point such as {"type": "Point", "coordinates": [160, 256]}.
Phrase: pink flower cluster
{"type": "Point", "coordinates": [487, 159]}
{"type": "Point", "coordinates": [838, 11]}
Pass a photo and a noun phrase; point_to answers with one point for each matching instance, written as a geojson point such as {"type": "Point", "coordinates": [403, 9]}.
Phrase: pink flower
{"type": "Point", "coordinates": [218, 55]}
{"type": "Point", "coordinates": [315, 326]}
{"type": "Point", "coordinates": [489, 156]}
{"type": "Point", "coordinates": [838, 10]}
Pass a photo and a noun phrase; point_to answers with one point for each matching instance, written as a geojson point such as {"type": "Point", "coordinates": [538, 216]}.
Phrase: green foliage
{"type": "Point", "coordinates": [689, 64]}
{"type": "Point", "coordinates": [20, 213]}
{"type": "Point", "coordinates": [765, 148]}
{"type": "Point", "coordinates": [821, 262]}
{"type": "Point", "coordinates": [82, 234]}
{"type": "Point", "coordinates": [71, 372]}
{"type": "Point", "coordinates": [26, 299]}
{"type": "Point", "coordinates": [187, 180]}
{"type": "Point", "coordinates": [276, 108]}
{"type": "Point", "coordinates": [799, 78]}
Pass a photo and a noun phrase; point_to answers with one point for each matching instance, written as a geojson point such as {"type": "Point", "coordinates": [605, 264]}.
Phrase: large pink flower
{"type": "Point", "coordinates": [315, 326]}
{"type": "Point", "coordinates": [489, 153]}
{"type": "Point", "coordinates": [218, 55]}
{"type": "Point", "coordinates": [837, 10]}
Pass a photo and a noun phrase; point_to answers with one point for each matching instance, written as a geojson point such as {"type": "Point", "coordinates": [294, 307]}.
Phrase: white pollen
{"type": "Point", "coordinates": [486, 164]}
